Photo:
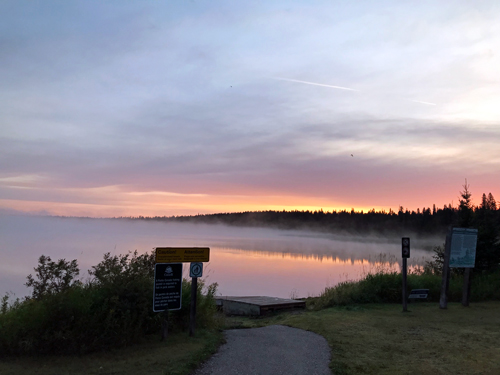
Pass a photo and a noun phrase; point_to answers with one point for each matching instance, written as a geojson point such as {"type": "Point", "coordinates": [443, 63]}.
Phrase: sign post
{"type": "Point", "coordinates": [168, 280]}
{"type": "Point", "coordinates": [195, 271]}
{"type": "Point", "coordinates": [167, 292]}
{"type": "Point", "coordinates": [445, 280]}
{"type": "Point", "coordinates": [463, 254]}
{"type": "Point", "coordinates": [466, 288]}
{"type": "Point", "coordinates": [405, 254]}
{"type": "Point", "coordinates": [460, 252]}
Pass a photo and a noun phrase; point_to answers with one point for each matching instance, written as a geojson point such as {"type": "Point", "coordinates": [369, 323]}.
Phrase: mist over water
{"type": "Point", "coordinates": [243, 261]}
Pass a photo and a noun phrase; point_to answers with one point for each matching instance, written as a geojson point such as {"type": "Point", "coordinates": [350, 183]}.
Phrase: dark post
{"type": "Point", "coordinates": [405, 254]}
{"type": "Point", "coordinates": [466, 288]}
{"type": "Point", "coordinates": [192, 313]}
{"type": "Point", "coordinates": [443, 300]}
{"type": "Point", "coordinates": [405, 298]}
{"type": "Point", "coordinates": [164, 325]}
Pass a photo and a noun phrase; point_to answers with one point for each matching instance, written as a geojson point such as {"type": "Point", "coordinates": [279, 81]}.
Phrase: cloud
{"type": "Point", "coordinates": [305, 162]}
{"type": "Point", "coordinates": [107, 103]}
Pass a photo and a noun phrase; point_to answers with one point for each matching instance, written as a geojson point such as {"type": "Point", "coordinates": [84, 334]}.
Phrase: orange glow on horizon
{"type": "Point", "coordinates": [35, 195]}
{"type": "Point", "coordinates": [135, 209]}
{"type": "Point", "coordinates": [115, 201]}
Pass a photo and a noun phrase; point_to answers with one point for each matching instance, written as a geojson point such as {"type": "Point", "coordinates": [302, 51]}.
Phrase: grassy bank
{"type": "Point", "coordinates": [178, 355]}
{"type": "Point", "coordinates": [107, 326]}
{"type": "Point", "coordinates": [364, 339]}
{"type": "Point", "coordinates": [381, 339]}
{"type": "Point", "coordinates": [387, 288]}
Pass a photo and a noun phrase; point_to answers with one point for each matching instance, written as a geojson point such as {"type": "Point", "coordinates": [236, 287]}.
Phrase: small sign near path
{"type": "Point", "coordinates": [196, 269]}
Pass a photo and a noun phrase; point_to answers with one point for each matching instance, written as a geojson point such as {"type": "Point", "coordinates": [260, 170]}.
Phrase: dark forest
{"type": "Point", "coordinates": [425, 222]}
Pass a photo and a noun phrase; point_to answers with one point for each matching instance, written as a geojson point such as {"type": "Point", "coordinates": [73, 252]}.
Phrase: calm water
{"type": "Point", "coordinates": [243, 261]}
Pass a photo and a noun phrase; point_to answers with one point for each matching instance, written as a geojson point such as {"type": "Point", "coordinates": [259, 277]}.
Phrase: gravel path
{"type": "Point", "coordinates": [270, 350]}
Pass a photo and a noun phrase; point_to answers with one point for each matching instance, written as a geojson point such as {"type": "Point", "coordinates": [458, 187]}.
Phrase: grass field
{"type": "Point", "coordinates": [381, 339]}
{"type": "Point", "coordinates": [178, 355]}
{"type": "Point", "coordinates": [364, 339]}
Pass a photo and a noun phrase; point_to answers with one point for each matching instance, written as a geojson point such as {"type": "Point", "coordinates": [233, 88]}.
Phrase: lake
{"type": "Point", "coordinates": [243, 261]}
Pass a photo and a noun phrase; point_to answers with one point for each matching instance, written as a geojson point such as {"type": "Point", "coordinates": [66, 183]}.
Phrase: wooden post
{"type": "Point", "coordinates": [443, 300]}
{"type": "Point", "coordinates": [405, 298]}
{"type": "Point", "coordinates": [192, 313]}
{"type": "Point", "coordinates": [466, 287]}
{"type": "Point", "coordinates": [164, 325]}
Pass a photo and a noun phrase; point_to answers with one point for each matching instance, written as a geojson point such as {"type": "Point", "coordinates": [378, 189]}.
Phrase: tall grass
{"type": "Point", "coordinates": [386, 287]}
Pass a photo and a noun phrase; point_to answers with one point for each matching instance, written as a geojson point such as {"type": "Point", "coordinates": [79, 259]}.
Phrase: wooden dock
{"type": "Point", "coordinates": [256, 305]}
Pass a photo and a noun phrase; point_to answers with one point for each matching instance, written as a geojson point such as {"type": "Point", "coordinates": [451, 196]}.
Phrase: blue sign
{"type": "Point", "coordinates": [463, 248]}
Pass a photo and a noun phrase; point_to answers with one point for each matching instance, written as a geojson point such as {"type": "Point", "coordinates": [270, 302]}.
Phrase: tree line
{"type": "Point", "coordinates": [426, 221]}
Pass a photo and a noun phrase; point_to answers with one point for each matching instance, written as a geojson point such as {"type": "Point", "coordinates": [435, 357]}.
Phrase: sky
{"type": "Point", "coordinates": [113, 108]}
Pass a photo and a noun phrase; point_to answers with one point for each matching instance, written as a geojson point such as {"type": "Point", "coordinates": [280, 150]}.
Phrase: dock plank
{"type": "Point", "coordinates": [256, 305]}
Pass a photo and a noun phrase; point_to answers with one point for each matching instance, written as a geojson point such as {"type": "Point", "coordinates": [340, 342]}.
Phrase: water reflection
{"type": "Point", "coordinates": [243, 261]}
{"type": "Point", "coordinates": [243, 272]}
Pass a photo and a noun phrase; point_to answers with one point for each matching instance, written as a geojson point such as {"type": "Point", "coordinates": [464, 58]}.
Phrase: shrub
{"type": "Point", "coordinates": [113, 309]}
{"type": "Point", "coordinates": [206, 307]}
{"type": "Point", "coordinates": [53, 277]}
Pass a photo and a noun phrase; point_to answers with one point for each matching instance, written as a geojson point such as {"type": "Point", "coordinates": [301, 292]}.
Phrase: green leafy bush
{"type": "Point", "coordinates": [52, 277]}
{"type": "Point", "coordinates": [205, 306]}
{"type": "Point", "coordinates": [113, 309]}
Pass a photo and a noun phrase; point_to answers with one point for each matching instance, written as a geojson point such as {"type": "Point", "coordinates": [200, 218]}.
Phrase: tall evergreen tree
{"type": "Point", "coordinates": [465, 208]}
{"type": "Point", "coordinates": [488, 246]}
{"type": "Point", "coordinates": [492, 204]}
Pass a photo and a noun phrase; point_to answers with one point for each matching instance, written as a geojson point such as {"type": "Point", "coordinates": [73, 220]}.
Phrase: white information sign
{"type": "Point", "coordinates": [463, 248]}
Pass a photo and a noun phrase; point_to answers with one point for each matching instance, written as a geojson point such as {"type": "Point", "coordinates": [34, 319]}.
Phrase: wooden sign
{"type": "Point", "coordinates": [182, 254]}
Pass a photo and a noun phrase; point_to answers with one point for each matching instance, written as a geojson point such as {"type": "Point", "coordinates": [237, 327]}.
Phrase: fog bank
{"type": "Point", "coordinates": [24, 238]}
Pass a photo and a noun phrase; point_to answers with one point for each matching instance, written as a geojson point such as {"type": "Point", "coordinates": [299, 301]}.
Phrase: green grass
{"type": "Point", "coordinates": [386, 287]}
{"type": "Point", "coordinates": [381, 339]}
{"type": "Point", "coordinates": [364, 339]}
{"type": "Point", "coordinates": [178, 355]}
{"type": "Point", "coordinates": [367, 332]}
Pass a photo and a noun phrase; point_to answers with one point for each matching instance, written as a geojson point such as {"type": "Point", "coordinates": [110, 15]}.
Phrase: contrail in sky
{"type": "Point", "coordinates": [315, 84]}
{"type": "Point", "coordinates": [339, 87]}
{"type": "Point", "coordinates": [418, 101]}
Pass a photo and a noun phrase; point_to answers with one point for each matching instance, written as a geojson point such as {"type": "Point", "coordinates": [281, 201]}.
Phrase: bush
{"type": "Point", "coordinates": [206, 307]}
{"type": "Point", "coordinates": [53, 277]}
{"type": "Point", "coordinates": [113, 309]}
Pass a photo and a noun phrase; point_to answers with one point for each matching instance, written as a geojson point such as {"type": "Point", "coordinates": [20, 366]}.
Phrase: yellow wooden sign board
{"type": "Point", "coordinates": [182, 254]}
